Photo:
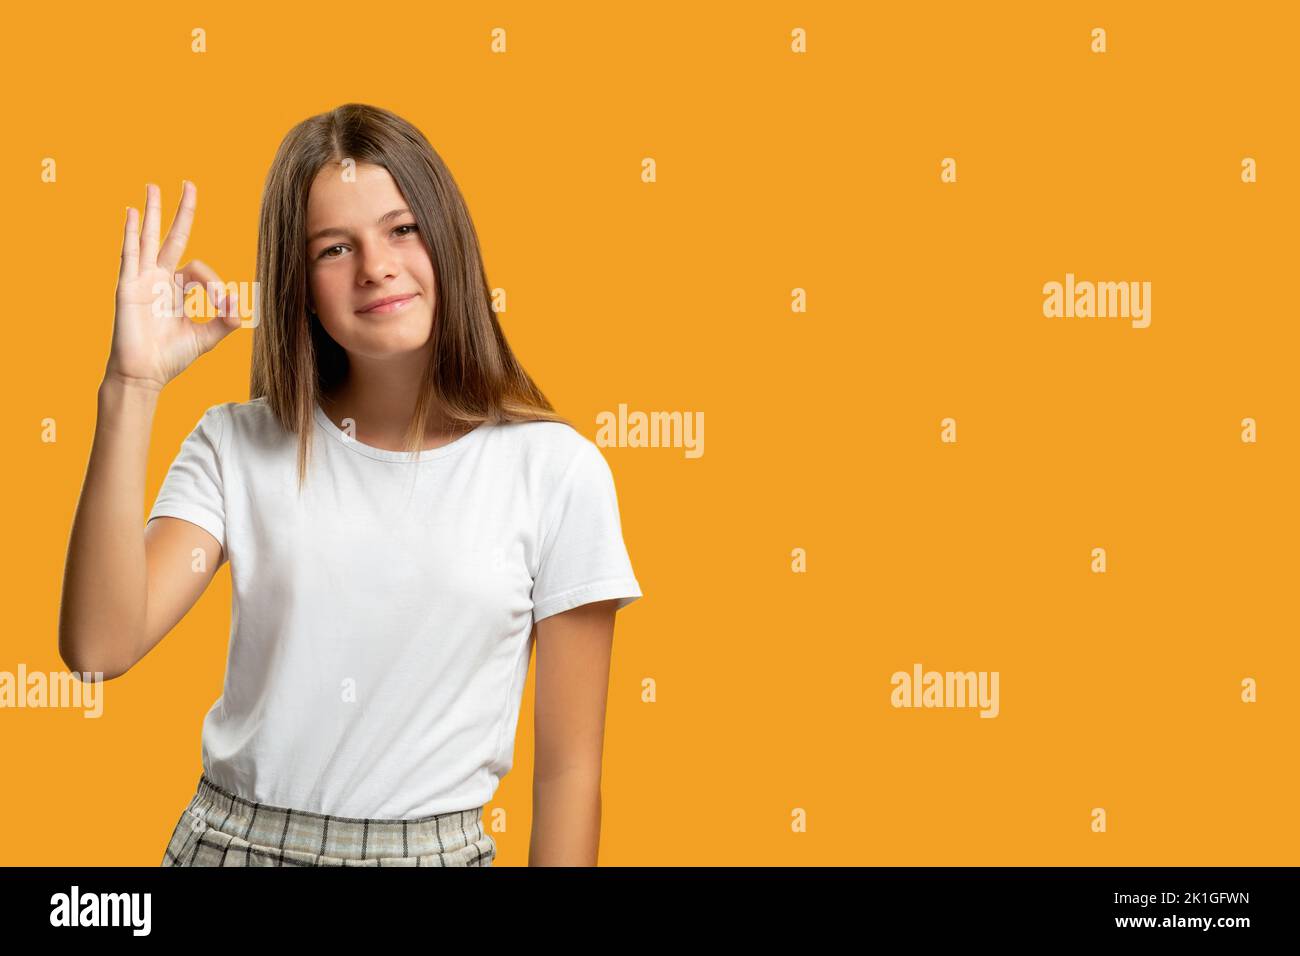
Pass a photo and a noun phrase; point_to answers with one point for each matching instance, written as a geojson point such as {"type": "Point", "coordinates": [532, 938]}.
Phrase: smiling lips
{"type": "Point", "coordinates": [390, 303]}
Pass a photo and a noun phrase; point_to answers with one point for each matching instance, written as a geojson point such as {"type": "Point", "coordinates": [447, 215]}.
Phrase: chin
{"type": "Point", "coordinates": [386, 341]}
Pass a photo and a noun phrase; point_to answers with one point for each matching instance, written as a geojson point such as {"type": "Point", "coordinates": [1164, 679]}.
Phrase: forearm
{"type": "Point", "coordinates": [104, 588]}
{"type": "Point", "coordinates": [566, 820]}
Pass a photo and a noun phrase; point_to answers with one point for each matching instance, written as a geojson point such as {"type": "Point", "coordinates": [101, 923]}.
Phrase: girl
{"type": "Point", "coordinates": [404, 515]}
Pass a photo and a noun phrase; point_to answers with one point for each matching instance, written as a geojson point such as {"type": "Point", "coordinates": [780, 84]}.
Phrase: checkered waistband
{"type": "Point", "coordinates": [450, 838]}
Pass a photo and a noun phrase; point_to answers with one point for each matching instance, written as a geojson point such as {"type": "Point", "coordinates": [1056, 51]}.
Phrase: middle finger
{"type": "Point", "coordinates": [179, 234]}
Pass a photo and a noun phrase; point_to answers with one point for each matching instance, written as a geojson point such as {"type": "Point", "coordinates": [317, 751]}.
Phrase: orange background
{"type": "Point", "coordinates": [775, 171]}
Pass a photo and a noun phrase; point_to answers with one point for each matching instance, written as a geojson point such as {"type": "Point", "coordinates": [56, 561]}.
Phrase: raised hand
{"type": "Point", "coordinates": [153, 344]}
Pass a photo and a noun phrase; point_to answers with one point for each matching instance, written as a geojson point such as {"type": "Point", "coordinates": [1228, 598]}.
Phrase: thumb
{"type": "Point", "coordinates": [227, 319]}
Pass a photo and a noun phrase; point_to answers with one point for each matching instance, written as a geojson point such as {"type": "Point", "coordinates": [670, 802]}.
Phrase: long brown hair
{"type": "Point", "coordinates": [472, 376]}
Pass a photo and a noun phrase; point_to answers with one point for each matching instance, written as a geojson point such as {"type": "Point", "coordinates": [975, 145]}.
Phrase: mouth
{"type": "Point", "coordinates": [392, 303]}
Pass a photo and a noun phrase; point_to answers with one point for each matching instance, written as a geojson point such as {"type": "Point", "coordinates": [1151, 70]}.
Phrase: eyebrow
{"type": "Point", "coordinates": [340, 231]}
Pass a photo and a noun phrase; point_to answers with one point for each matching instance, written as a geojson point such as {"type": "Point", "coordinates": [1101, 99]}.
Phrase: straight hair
{"type": "Point", "coordinates": [472, 376]}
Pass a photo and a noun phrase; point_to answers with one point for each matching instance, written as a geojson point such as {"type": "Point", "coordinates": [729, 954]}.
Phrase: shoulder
{"type": "Point", "coordinates": [243, 422]}
{"type": "Point", "coordinates": [553, 450]}
{"type": "Point", "coordinates": [253, 410]}
{"type": "Point", "coordinates": [558, 441]}
{"type": "Point", "coordinates": [543, 437]}
{"type": "Point", "coordinates": [224, 412]}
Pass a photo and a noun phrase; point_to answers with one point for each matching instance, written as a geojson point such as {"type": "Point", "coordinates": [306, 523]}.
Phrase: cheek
{"type": "Point", "coordinates": [328, 289]}
{"type": "Point", "coordinates": [420, 266]}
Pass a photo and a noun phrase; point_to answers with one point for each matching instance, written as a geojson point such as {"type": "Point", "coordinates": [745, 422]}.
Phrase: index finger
{"type": "Point", "coordinates": [179, 234]}
{"type": "Point", "coordinates": [149, 233]}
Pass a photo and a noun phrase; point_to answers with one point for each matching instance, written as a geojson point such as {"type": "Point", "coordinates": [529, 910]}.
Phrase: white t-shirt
{"type": "Point", "coordinates": [382, 624]}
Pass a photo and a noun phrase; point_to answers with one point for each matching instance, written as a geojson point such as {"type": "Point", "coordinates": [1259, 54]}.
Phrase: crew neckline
{"type": "Point", "coordinates": [387, 454]}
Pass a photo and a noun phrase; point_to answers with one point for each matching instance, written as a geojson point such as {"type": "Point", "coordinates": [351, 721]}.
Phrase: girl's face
{"type": "Point", "coordinates": [363, 246]}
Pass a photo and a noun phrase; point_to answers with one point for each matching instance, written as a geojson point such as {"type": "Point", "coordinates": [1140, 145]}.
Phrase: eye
{"type": "Point", "coordinates": [325, 253]}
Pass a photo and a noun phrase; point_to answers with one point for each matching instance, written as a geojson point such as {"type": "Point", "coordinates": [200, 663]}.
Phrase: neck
{"type": "Point", "coordinates": [380, 397]}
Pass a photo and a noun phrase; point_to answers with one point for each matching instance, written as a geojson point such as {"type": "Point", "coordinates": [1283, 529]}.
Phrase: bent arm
{"type": "Point", "coordinates": [105, 619]}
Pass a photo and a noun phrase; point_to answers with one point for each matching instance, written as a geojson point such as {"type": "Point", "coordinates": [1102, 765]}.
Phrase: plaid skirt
{"type": "Point", "coordinates": [221, 829]}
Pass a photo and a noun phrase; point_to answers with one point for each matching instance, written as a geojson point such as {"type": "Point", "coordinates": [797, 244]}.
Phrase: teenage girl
{"type": "Point", "coordinates": [404, 516]}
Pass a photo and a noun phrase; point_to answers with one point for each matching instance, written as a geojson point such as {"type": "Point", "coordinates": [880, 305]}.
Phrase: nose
{"type": "Point", "coordinates": [375, 264]}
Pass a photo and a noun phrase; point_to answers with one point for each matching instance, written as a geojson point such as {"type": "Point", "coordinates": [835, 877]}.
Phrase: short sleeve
{"type": "Point", "coordinates": [193, 487]}
{"type": "Point", "coordinates": [583, 557]}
